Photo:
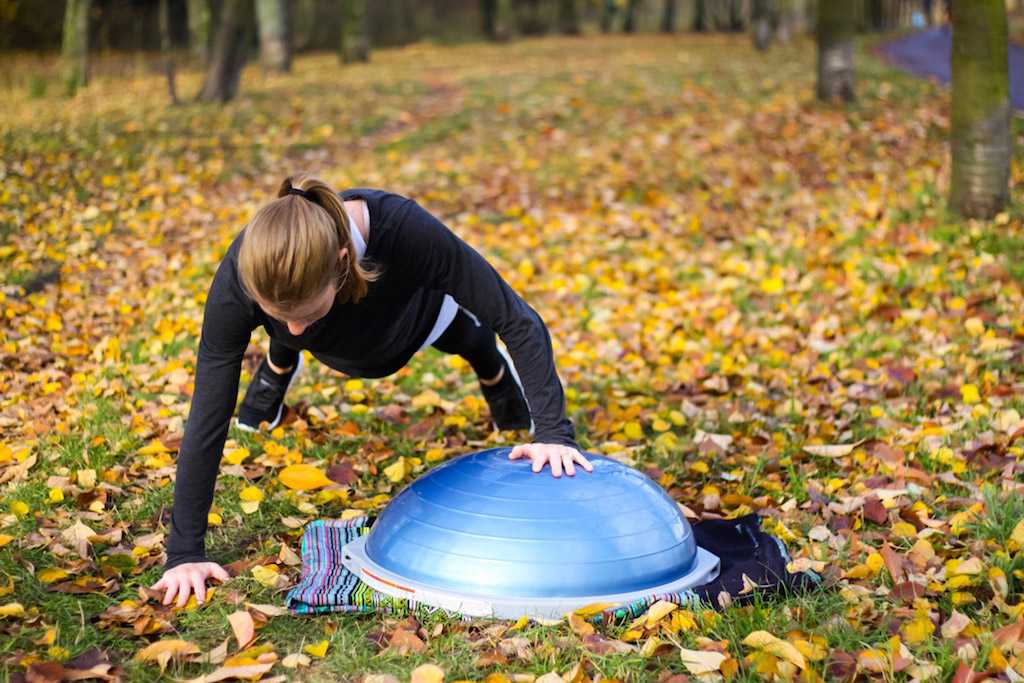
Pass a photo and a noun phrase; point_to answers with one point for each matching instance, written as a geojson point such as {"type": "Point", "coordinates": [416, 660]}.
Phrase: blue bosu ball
{"type": "Point", "coordinates": [486, 536]}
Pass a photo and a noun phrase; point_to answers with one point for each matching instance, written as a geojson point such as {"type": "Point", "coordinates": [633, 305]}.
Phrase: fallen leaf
{"type": "Point", "coordinates": [763, 640]}
{"type": "Point", "coordinates": [163, 651]}
{"type": "Point", "coordinates": [700, 662]}
{"type": "Point", "coordinates": [427, 673]}
{"type": "Point", "coordinates": [243, 627]}
{"type": "Point", "coordinates": [303, 477]}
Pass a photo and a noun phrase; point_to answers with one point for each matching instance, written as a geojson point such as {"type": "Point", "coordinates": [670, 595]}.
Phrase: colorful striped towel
{"type": "Point", "coordinates": [327, 586]}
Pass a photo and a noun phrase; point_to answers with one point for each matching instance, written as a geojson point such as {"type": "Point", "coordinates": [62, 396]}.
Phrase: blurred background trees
{"type": "Point", "coordinates": [218, 37]}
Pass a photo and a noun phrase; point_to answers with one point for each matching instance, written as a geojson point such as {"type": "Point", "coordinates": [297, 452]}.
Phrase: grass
{"type": "Point", "coordinates": [639, 139]}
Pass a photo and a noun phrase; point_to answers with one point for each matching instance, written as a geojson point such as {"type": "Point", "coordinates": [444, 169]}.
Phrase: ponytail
{"type": "Point", "coordinates": [289, 253]}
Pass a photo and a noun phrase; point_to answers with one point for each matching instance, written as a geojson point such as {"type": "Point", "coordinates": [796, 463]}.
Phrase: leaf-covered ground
{"type": "Point", "coordinates": [757, 299]}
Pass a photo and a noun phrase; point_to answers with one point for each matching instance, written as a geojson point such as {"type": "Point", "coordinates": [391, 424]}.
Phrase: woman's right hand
{"type": "Point", "coordinates": [187, 578]}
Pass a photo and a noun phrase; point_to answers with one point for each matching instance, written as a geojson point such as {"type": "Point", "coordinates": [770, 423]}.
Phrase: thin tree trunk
{"type": "Point", "coordinates": [303, 18]}
{"type": "Point", "coordinates": [199, 29]}
{"type": "Point", "coordinates": [568, 18]}
{"type": "Point", "coordinates": [629, 17]}
{"type": "Point", "coordinates": [700, 16]}
{"type": "Point", "coordinates": [608, 16]}
{"type": "Point", "coordinates": [763, 23]}
{"type": "Point", "coordinates": [980, 135]}
{"type": "Point", "coordinates": [228, 55]}
{"type": "Point", "coordinates": [166, 49]}
{"type": "Point", "coordinates": [737, 21]}
{"type": "Point", "coordinates": [354, 45]}
{"type": "Point", "coordinates": [488, 12]}
{"type": "Point", "coordinates": [272, 18]}
{"type": "Point", "coordinates": [531, 23]}
{"type": "Point", "coordinates": [411, 30]}
{"type": "Point", "coordinates": [75, 50]}
{"type": "Point", "coordinates": [668, 17]}
{"type": "Point", "coordinates": [836, 23]}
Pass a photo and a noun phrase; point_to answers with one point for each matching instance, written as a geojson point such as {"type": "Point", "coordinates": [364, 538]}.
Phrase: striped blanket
{"type": "Point", "coordinates": [748, 556]}
{"type": "Point", "coordinates": [327, 586]}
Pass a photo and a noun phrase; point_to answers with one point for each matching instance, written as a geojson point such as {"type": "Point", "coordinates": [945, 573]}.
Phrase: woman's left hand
{"type": "Point", "coordinates": [558, 456]}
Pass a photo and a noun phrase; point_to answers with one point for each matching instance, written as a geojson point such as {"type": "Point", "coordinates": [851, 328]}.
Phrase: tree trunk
{"type": "Point", "coordinates": [836, 22]}
{"type": "Point", "coordinates": [75, 51]}
{"type": "Point", "coordinates": [530, 21]}
{"type": "Point", "coordinates": [737, 21]}
{"type": "Point", "coordinates": [763, 23]}
{"type": "Point", "coordinates": [700, 16]}
{"type": "Point", "coordinates": [165, 48]}
{"type": "Point", "coordinates": [488, 12]}
{"type": "Point", "coordinates": [980, 135]}
{"type": "Point", "coordinates": [272, 19]}
{"type": "Point", "coordinates": [608, 10]}
{"type": "Point", "coordinates": [410, 29]}
{"type": "Point", "coordinates": [668, 17]}
{"type": "Point", "coordinates": [568, 18]}
{"type": "Point", "coordinates": [303, 19]}
{"type": "Point", "coordinates": [355, 36]}
{"type": "Point", "coordinates": [228, 55]}
{"type": "Point", "coordinates": [629, 17]}
{"type": "Point", "coordinates": [199, 29]}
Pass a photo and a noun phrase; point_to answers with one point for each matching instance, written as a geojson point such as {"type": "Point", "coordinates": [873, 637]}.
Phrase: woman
{"type": "Point", "coordinates": [362, 281]}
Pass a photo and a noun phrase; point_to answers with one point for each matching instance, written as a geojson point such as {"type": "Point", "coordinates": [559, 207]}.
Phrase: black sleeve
{"type": "Point", "coordinates": [228, 322]}
{"type": "Point", "coordinates": [440, 259]}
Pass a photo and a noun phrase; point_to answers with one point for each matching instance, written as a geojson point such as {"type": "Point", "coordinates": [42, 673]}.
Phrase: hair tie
{"type": "Point", "coordinates": [301, 193]}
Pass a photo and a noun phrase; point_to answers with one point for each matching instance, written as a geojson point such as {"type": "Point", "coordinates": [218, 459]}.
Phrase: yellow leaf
{"type": "Point", "coordinates": [700, 662]}
{"type": "Point", "coordinates": [236, 455]}
{"type": "Point", "coordinates": [766, 642]}
{"type": "Point", "coordinates": [5, 539]}
{"type": "Point", "coordinates": [266, 574]}
{"type": "Point", "coordinates": [427, 673]}
{"type": "Point", "coordinates": [659, 611]}
{"type": "Point", "coordinates": [974, 326]}
{"type": "Point", "coordinates": [521, 623]}
{"type": "Point", "coordinates": [12, 609]}
{"type": "Point", "coordinates": [164, 651]}
{"type": "Point", "coordinates": [251, 494]}
{"type": "Point", "coordinates": [317, 650]}
{"type": "Point", "coordinates": [969, 394]}
{"type": "Point", "coordinates": [153, 448]}
{"type": "Point", "coordinates": [213, 519]}
{"type": "Point", "coordinates": [592, 609]}
{"type": "Point", "coordinates": [51, 575]}
{"type": "Point", "coordinates": [633, 430]}
{"type": "Point", "coordinates": [917, 630]}
{"type": "Point", "coordinates": [1017, 535]}
{"type": "Point", "coordinates": [303, 477]}
{"type": "Point", "coordinates": [250, 506]}
{"type": "Point", "coordinates": [55, 495]}
{"type": "Point", "coordinates": [19, 508]}
{"type": "Point", "coordinates": [396, 471]}
{"type": "Point", "coordinates": [772, 285]}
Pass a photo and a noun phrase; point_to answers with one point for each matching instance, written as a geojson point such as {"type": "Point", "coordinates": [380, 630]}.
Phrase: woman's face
{"type": "Point", "coordinates": [298, 318]}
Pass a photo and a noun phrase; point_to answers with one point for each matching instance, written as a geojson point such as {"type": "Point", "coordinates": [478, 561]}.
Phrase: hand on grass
{"type": "Point", "coordinates": [187, 578]}
{"type": "Point", "coordinates": [558, 456]}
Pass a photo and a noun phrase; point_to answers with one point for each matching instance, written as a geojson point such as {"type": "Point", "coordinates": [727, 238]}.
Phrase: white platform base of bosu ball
{"type": "Point", "coordinates": [485, 536]}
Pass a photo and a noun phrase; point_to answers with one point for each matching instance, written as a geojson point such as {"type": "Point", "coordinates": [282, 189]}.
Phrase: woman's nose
{"type": "Point", "coordinates": [297, 328]}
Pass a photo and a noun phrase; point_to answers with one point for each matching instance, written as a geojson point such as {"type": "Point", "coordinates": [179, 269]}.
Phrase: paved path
{"type": "Point", "coordinates": [926, 54]}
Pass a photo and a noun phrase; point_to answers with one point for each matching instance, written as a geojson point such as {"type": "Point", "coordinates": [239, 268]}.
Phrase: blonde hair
{"type": "Point", "coordinates": [289, 253]}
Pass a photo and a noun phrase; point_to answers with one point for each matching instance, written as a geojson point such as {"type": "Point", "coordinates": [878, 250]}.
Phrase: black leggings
{"type": "Point", "coordinates": [465, 337]}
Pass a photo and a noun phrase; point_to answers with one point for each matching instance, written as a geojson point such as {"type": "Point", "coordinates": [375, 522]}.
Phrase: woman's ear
{"type": "Point", "coordinates": [342, 254]}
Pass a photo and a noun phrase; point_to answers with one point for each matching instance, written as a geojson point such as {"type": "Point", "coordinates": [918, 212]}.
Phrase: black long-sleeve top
{"type": "Point", "coordinates": [420, 261]}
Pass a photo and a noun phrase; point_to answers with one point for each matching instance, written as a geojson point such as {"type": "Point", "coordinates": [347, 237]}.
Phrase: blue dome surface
{"type": "Point", "coordinates": [484, 525]}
